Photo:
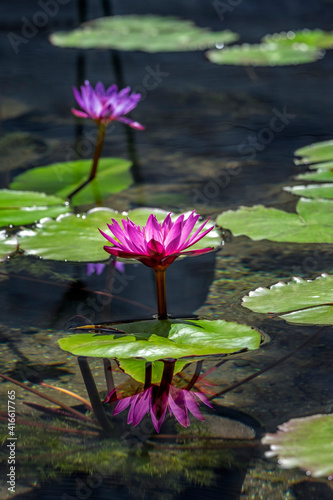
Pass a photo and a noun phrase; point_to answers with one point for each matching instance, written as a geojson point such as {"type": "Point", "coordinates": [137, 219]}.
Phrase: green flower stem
{"type": "Point", "coordinates": [161, 296]}
{"type": "Point", "coordinates": [97, 155]}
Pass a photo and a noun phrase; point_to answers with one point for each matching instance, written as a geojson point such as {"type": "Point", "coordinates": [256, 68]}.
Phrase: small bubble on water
{"type": "Point", "coordinates": [219, 45]}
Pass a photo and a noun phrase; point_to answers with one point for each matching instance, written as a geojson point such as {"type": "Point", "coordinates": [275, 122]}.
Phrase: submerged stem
{"type": "Point", "coordinates": [161, 296]}
{"type": "Point", "coordinates": [97, 154]}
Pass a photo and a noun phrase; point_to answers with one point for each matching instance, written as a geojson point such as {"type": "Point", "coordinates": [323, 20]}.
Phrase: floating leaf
{"type": "Point", "coordinates": [148, 33]}
{"type": "Point", "coordinates": [8, 245]}
{"type": "Point", "coordinates": [298, 301]}
{"type": "Point", "coordinates": [160, 339]}
{"type": "Point", "coordinates": [321, 175]}
{"type": "Point", "coordinates": [75, 237]}
{"type": "Point", "coordinates": [27, 207]}
{"type": "Point", "coordinates": [62, 178]}
{"type": "Point", "coordinates": [313, 222]}
{"type": "Point", "coordinates": [312, 190]}
{"type": "Point", "coordinates": [320, 154]}
{"type": "Point", "coordinates": [305, 443]}
{"type": "Point", "coordinates": [136, 368]}
{"type": "Point", "coordinates": [312, 38]}
{"type": "Point", "coordinates": [265, 54]}
{"type": "Point", "coordinates": [19, 148]}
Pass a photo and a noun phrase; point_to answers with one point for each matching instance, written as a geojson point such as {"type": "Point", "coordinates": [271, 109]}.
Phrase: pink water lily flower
{"type": "Point", "coordinates": [156, 245]}
{"type": "Point", "coordinates": [179, 402]}
{"type": "Point", "coordinates": [106, 105]}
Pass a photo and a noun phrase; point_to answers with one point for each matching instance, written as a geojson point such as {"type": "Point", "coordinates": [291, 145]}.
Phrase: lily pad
{"type": "Point", "coordinates": [62, 178]}
{"type": "Point", "coordinates": [265, 54]}
{"type": "Point", "coordinates": [156, 340]}
{"type": "Point", "coordinates": [321, 175]}
{"type": "Point", "coordinates": [148, 33]}
{"type": "Point", "coordinates": [8, 245]}
{"type": "Point", "coordinates": [305, 443]}
{"type": "Point", "coordinates": [27, 207]}
{"type": "Point", "coordinates": [298, 301]}
{"type": "Point", "coordinates": [312, 190]}
{"type": "Point", "coordinates": [136, 368]}
{"type": "Point", "coordinates": [312, 38]}
{"type": "Point", "coordinates": [318, 155]}
{"type": "Point", "coordinates": [313, 222]}
{"type": "Point", "coordinates": [75, 237]}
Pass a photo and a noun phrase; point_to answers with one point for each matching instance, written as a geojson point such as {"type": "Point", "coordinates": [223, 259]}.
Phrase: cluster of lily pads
{"type": "Point", "coordinates": [151, 33]}
{"type": "Point", "coordinates": [42, 200]}
{"type": "Point", "coordinates": [300, 442]}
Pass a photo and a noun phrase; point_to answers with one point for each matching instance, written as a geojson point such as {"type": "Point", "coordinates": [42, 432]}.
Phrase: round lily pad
{"type": "Point", "coordinates": [312, 38]}
{"type": "Point", "coordinates": [313, 222]}
{"type": "Point", "coordinates": [8, 245]}
{"type": "Point", "coordinates": [161, 339]}
{"type": "Point", "coordinates": [265, 54]}
{"type": "Point", "coordinates": [75, 237]}
{"type": "Point", "coordinates": [298, 301]}
{"type": "Point", "coordinates": [27, 207]}
{"type": "Point", "coordinates": [318, 154]}
{"type": "Point", "coordinates": [312, 190]}
{"type": "Point", "coordinates": [305, 443]}
{"type": "Point", "coordinates": [61, 179]}
{"type": "Point", "coordinates": [148, 33]}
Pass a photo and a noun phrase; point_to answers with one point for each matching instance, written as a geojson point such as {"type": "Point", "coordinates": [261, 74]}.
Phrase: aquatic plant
{"type": "Point", "coordinates": [157, 398]}
{"type": "Point", "coordinates": [104, 106]}
{"type": "Point", "coordinates": [156, 245]}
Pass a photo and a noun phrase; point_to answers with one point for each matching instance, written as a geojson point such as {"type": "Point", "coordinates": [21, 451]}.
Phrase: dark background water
{"type": "Point", "coordinates": [196, 119]}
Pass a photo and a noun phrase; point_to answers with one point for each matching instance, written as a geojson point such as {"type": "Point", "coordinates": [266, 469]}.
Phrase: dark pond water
{"type": "Point", "coordinates": [196, 118]}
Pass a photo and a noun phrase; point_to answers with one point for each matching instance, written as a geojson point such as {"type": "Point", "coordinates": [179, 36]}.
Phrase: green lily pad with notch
{"type": "Point", "coordinates": [312, 190]}
{"type": "Point", "coordinates": [28, 207]}
{"type": "Point", "coordinates": [61, 179]}
{"type": "Point", "coordinates": [136, 368]}
{"type": "Point", "coordinates": [298, 301]}
{"type": "Point", "coordinates": [312, 38]}
{"type": "Point", "coordinates": [161, 339]}
{"type": "Point", "coordinates": [265, 54]}
{"type": "Point", "coordinates": [75, 237]}
{"type": "Point", "coordinates": [8, 245]}
{"type": "Point", "coordinates": [320, 175]}
{"type": "Point", "coordinates": [317, 155]}
{"type": "Point", "coordinates": [313, 222]}
{"type": "Point", "coordinates": [305, 443]}
{"type": "Point", "coordinates": [147, 33]}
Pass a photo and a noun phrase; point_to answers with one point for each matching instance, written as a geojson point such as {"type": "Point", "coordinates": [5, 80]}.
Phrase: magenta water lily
{"type": "Point", "coordinates": [156, 245]}
{"type": "Point", "coordinates": [106, 105]}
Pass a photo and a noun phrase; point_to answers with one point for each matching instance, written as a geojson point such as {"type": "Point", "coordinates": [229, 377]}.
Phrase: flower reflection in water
{"type": "Point", "coordinates": [158, 398]}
